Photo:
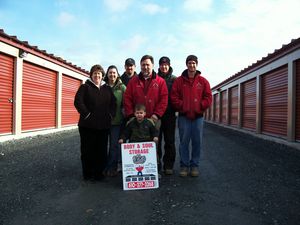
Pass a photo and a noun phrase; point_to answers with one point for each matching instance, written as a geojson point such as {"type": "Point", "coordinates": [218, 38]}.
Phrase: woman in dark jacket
{"type": "Point", "coordinates": [96, 105]}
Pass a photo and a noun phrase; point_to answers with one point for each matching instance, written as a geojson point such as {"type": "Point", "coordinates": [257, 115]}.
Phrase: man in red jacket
{"type": "Point", "coordinates": [190, 96]}
{"type": "Point", "coordinates": [148, 89]}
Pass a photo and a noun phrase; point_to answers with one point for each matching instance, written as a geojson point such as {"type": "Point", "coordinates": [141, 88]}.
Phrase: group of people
{"type": "Point", "coordinates": [141, 107]}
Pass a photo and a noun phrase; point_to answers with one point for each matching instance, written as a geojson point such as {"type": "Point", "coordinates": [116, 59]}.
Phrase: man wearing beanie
{"type": "Point", "coordinates": [191, 96]}
{"type": "Point", "coordinates": [168, 121]}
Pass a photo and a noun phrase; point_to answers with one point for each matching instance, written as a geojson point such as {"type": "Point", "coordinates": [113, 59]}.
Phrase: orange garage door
{"type": "Point", "coordinates": [38, 98]}
{"type": "Point", "coordinates": [69, 88]}
{"type": "Point", "coordinates": [6, 93]}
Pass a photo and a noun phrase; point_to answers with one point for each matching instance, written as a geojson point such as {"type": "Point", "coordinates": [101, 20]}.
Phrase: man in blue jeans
{"type": "Point", "coordinates": [191, 96]}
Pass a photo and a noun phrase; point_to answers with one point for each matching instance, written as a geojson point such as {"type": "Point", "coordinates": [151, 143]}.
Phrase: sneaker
{"type": "Point", "coordinates": [194, 172]}
{"type": "Point", "coordinates": [183, 171]}
{"type": "Point", "coordinates": [168, 171]}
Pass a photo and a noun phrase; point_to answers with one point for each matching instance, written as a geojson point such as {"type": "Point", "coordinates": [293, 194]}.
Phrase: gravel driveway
{"type": "Point", "coordinates": [244, 180]}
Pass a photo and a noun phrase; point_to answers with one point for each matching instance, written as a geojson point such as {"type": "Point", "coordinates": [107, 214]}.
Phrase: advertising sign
{"type": "Point", "coordinates": [139, 166]}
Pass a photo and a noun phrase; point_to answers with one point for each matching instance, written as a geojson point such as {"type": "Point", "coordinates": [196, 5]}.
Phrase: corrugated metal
{"type": "Point", "coordinates": [233, 108]}
{"type": "Point", "coordinates": [6, 93]}
{"type": "Point", "coordinates": [39, 98]}
{"type": "Point", "coordinates": [274, 102]}
{"type": "Point", "coordinates": [223, 107]}
{"type": "Point", "coordinates": [248, 106]}
{"type": "Point", "coordinates": [216, 108]}
{"type": "Point", "coordinates": [209, 114]}
{"type": "Point", "coordinates": [69, 87]}
{"type": "Point", "coordinates": [297, 127]}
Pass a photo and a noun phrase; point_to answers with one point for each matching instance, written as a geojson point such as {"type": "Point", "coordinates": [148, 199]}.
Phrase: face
{"type": "Point", "coordinates": [130, 69]}
{"type": "Point", "coordinates": [97, 77]}
{"type": "Point", "coordinates": [146, 67]}
{"type": "Point", "coordinates": [164, 68]}
{"type": "Point", "coordinates": [112, 75]}
{"type": "Point", "coordinates": [191, 66]}
{"type": "Point", "coordinates": [140, 115]}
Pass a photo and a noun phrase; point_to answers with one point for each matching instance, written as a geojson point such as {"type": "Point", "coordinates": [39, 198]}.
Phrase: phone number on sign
{"type": "Point", "coordinates": [142, 184]}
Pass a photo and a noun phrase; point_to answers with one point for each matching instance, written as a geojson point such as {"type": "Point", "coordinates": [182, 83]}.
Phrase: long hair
{"type": "Point", "coordinates": [106, 75]}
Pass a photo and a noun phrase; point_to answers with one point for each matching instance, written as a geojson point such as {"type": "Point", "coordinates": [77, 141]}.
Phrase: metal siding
{"type": "Point", "coordinates": [39, 98]}
{"type": "Point", "coordinates": [69, 88]}
{"type": "Point", "coordinates": [249, 104]}
{"type": "Point", "coordinates": [216, 108]}
{"type": "Point", "coordinates": [274, 102]}
{"type": "Point", "coordinates": [209, 113]}
{"type": "Point", "coordinates": [233, 108]}
{"type": "Point", "coordinates": [210, 118]}
{"type": "Point", "coordinates": [223, 107]}
{"type": "Point", "coordinates": [6, 93]}
{"type": "Point", "coordinates": [297, 127]}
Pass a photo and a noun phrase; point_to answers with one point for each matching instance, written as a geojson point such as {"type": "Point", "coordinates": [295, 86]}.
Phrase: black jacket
{"type": "Point", "coordinates": [125, 79]}
{"type": "Point", "coordinates": [169, 78]}
{"type": "Point", "coordinates": [96, 106]}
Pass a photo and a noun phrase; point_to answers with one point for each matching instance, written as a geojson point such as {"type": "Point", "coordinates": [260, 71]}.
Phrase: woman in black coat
{"type": "Point", "coordinates": [96, 105]}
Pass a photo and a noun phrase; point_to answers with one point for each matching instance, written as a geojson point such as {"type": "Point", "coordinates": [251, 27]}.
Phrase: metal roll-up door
{"type": "Point", "coordinates": [216, 108]}
{"type": "Point", "coordinates": [274, 102]}
{"type": "Point", "coordinates": [210, 113]}
{"type": "Point", "coordinates": [248, 106]}
{"type": "Point", "coordinates": [69, 88]}
{"type": "Point", "coordinates": [223, 107]}
{"type": "Point", "coordinates": [38, 98]}
{"type": "Point", "coordinates": [6, 93]}
{"type": "Point", "coordinates": [233, 106]}
{"type": "Point", "coordinates": [297, 127]}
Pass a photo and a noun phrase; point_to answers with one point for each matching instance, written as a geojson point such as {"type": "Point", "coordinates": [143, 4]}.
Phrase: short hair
{"type": "Point", "coordinates": [95, 68]}
{"type": "Point", "coordinates": [147, 57]}
{"type": "Point", "coordinates": [140, 107]}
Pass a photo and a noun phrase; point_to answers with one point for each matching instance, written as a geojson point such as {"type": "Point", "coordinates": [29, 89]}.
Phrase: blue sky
{"type": "Point", "coordinates": [226, 35]}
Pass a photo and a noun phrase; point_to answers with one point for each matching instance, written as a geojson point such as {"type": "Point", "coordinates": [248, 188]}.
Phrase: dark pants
{"type": "Point", "coordinates": [167, 130]}
{"type": "Point", "coordinates": [93, 151]}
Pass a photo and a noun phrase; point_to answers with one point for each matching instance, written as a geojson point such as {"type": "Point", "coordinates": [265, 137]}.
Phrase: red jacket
{"type": "Point", "coordinates": [155, 98]}
{"type": "Point", "coordinates": [191, 97]}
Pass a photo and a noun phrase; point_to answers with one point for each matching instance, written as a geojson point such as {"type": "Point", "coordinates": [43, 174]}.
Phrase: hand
{"type": "Point", "coordinates": [154, 118]}
{"type": "Point", "coordinates": [121, 141]}
{"type": "Point", "coordinates": [155, 139]}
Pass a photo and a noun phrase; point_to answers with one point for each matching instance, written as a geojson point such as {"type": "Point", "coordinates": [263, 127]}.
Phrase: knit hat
{"type": "Point", "coordinates": [191, 58]}
{"type": "Point", "coordinates": [164, 59]}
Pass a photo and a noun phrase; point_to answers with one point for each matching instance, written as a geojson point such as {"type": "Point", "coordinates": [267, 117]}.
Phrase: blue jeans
{"type": "Point", "coordinates": [114, 154]}
{"type": "Point", "coordinates": [190, 130]}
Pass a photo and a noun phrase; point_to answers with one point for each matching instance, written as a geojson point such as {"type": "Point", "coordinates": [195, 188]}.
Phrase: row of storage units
{"type": "Point", "coordinates": [263, 98]}
{"type": "Point", "coordinates": [36, 90]}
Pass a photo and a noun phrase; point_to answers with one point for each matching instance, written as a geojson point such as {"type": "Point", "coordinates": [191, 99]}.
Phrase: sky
{"type": "Point", "coordinates": [226, 35]}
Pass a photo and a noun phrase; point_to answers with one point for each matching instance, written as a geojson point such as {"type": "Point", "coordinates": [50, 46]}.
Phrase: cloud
{"type": "Point", "coordinates": [117, 5]}
{"type": "Point", "coordinates": [134, 43]}
{"type": "Point", "coordinates": [196, 5]}
{"type": "Point", "coordinates": [64, 19]}
{"type": "Point", "coordinates": [152, 9]}
{"type": "Point", "coordinates": [250, 30]}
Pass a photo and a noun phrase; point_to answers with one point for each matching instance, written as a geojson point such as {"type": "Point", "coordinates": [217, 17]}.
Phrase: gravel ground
{"type": "Point", "coordinates": [244, 180]}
